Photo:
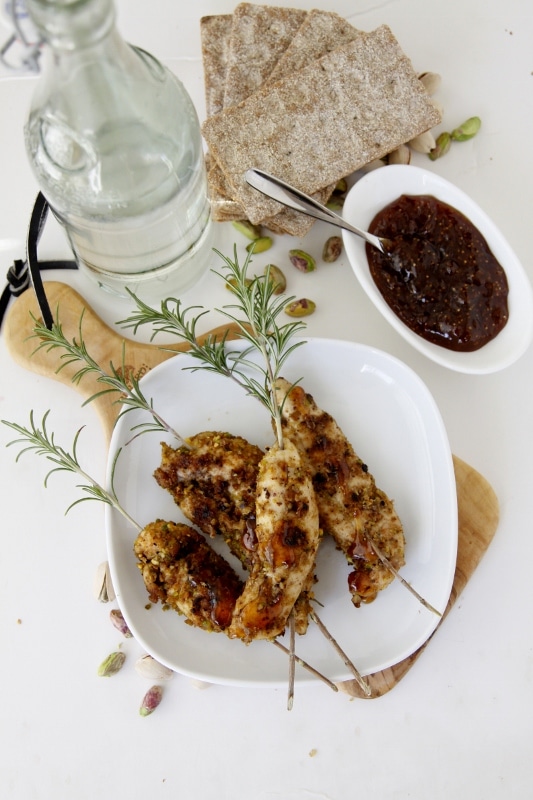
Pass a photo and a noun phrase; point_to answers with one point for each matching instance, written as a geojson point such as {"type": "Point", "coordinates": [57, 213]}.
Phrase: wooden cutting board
{"type": "Point", "coordinates": [477, 502]}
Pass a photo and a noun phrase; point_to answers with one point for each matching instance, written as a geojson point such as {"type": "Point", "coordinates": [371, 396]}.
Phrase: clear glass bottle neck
{"type": "Point", "coordinates": [72, 24]}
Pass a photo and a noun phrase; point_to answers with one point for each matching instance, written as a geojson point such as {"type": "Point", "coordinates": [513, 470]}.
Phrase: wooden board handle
{"type": "Point", "coordinates": [104, 345]}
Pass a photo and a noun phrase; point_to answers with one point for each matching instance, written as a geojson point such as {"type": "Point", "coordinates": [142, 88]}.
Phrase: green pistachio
{"type": "Point", "coordinates": [277, 277]}
{"type": "Point", "coordinates": [467, 130]}
{"type": "Point", "coordinates": [332, 249]}
{"type": "Point", "coordinates": [231, 283]}
{"type": "Point", "coordinates": [335, 202]}
{"type": "Point", "coordinates": [302, 260]}
{"type": "Point", "coordinates": [259, 245]}
{"type": "Point", "coordinates": [111, 665]}
{"type": "Point", "coordinates": [300, 308]}
{"type": "Point", "coordinates": [342, 186]}
{"type": "Point", "coordinates": [442, 145]}
{"type": "Point", "coordinates": [250, 231]}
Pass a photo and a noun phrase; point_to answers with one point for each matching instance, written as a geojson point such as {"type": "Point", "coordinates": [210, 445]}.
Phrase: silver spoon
{"type": "Point", "coordinates": [289, 196]}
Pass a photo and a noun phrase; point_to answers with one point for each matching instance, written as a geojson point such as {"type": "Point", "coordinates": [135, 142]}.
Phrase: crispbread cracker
{"type": "Point", "coordinates": [259, 36]}
{"type": "Point", "coordinates": [353, 105]}
{"type": "Point", "coordinates": [319, 33]}
{"type": "Point", "coordinates": [215, 33]}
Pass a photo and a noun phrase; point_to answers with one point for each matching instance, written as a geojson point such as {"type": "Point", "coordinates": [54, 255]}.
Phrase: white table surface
{"type": "Point", "coordinates": [460, 723]}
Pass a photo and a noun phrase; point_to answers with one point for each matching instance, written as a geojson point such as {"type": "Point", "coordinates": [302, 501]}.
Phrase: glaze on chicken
{"type": "Point", "coordinates": [183, 572]}
{"type": "Point", "coordinates": [288, 535]}
{"type": "Point", "coordinates": [352, 509]}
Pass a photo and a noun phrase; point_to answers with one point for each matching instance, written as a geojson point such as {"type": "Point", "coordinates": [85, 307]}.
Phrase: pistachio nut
{"type": "Point", "coordinates": [332, 249]}
{"type": "Point", "coordinates": [277, 277]}
{"type": "Point", "coordinates": [442, 146]}
{"type": "Point", "coordinates": [423, 143]}
{"type": "Point", "coordinates": [302, 260]}
{"type": "Point", "coordinates": [430, 81]}
{"type": "Point", "coordinates": [342, 186]}
{"type": "Point", "coordinates": [259, 245]}
{"type": "Point", "coordinates": [245, 227]}
{"type": "Point", "coordinates": [103, 586]}
{"type": "Point", "coordinates": [151, 700]}
{"type": "Point", "coordinates": [467, 130]}
{"type": "Point", "coordinates": [335, 202]}
{"type": "Point", "coordinates": [300, 308]}
{"type": "Point", "coordinates": [231, 283]}
{"type": "Point", "coordinates": [402, 155]}
{"type": "Point", "coordinates": [149, 667]}
{"type": "Point", "coordinates": [112, 664]}
{"type": "Point", "coordinates": [118, 622]}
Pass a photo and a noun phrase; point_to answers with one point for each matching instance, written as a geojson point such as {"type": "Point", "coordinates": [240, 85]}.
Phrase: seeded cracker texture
{"type": "Point", "coordinates": [313, 128]}
{"type": "Point", "coordinates": [214, 34]}
{"type": "Point", "coordinates": [259, 36]}
{"type": "Point", "coordinates": [319, 33]}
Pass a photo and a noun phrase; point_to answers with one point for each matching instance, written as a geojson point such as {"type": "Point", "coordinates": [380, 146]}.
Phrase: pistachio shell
{"type": "Point", "coordinates": [149, 667]}
{"type": "Point", "coordinates": [103, 586]}
{"type": "Point", "coordinates": [423, 143]}
{"type": "Point", "coordinates": [402, 155]}
{"type": "Point", "coordinates": [431, 81]}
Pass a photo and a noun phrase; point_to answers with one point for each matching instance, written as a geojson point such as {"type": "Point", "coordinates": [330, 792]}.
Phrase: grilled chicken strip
{"type": "Point", "coordinates": [182, 571]}
{"type": "Point", "coordinates": [214, 485]}
{"type": "Point", "coordinates": [352, 509]}
{"type": "Point", "coordinates": [288, 536]}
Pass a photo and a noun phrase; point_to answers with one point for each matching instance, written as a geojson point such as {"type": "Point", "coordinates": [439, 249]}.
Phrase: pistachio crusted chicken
{"type": "Point", "coordinates": [183, 572]}
{"type": "Point", "coordinates": [353, 510]}
{"type": "Point", "coordinates": [214, 483]}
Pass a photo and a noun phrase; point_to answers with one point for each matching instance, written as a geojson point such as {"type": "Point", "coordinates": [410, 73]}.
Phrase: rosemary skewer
{"type": "Point", "coordinates": [119, 380]}
{"type": "Point", "coordinates": [42, 442]}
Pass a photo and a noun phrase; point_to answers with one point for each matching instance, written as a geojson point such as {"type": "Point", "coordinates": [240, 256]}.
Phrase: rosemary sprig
{"type": "Point", "coordinates": [41, 442]}
{"type": "Point", "coordinates": [119, 380]}
{"type": "Point", "coordinates": [256, 311]}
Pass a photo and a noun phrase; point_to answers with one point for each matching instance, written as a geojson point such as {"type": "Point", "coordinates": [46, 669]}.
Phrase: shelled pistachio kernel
{"type": "Point", "coordinates": [118, 622]}
{"type": "Point", "coordinates": [151, 700]}
{"type": "Point", "coordinates": [302, 260]}
{"type": "Point", "coordinates": [245, 227]}
{"type": "Point", "coordinates": [467, 130]}
{"type": "Point", "coordinates": [442, 145]}
{"type": "Point", "coordinates": [112, 664]}
{"type": "Point", "coordinates": [276, 277]}
{"type": "Point", "coordinates": [332, 249]}
{"type": "Point", "coordinates": [231, 283]}
{"type": "Point", "coordinates": [259, 245]}
{"type": "Point", "coordinates": [300, 308]}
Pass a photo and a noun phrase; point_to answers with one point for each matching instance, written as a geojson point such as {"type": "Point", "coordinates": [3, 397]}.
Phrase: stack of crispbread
{"type": "Point", "coordinates": [304, 96]}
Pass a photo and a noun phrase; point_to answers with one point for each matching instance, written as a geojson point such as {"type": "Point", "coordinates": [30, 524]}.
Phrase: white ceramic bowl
{"type": "Point", "coordinates": [382, 186]}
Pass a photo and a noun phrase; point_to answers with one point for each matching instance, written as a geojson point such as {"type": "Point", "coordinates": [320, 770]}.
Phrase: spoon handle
{"type": "Point", "coordinates": [289, 196]}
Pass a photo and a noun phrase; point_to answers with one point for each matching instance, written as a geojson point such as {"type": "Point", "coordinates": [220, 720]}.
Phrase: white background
{"type": "Point", "coordinates": [459, 724]}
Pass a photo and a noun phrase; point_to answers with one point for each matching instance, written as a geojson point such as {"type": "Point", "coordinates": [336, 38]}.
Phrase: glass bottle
{"type": "Point", "coordinates": [115, 143]}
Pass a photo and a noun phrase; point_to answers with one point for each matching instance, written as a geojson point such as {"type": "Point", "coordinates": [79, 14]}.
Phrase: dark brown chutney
{"type": "Point", "coordinates": [439, 276]}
